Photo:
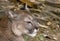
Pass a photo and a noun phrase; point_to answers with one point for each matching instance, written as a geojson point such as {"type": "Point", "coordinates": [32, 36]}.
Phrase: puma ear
{"type": "Point", "coordinates": [16, 31]}
{"type": "Point", "coordinates": [12, 14]}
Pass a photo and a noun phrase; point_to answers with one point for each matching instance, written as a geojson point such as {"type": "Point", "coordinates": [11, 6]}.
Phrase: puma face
{"type": "Point", "coordinates": [23, 23]}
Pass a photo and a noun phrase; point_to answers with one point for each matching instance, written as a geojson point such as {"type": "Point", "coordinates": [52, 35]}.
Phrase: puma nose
{"type": "Point", "coordinates": [36, 28]}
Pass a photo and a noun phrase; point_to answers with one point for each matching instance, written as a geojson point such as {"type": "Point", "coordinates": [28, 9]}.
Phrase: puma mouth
{"type": "Point", "coordinates": [34, 33]}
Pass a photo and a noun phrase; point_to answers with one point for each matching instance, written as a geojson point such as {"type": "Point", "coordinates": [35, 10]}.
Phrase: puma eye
{"type": "Point", "coordinates": [28, 22]}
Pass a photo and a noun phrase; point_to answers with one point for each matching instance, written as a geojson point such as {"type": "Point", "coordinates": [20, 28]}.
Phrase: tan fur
{"type": "Point", "coordinates": [21, 23]}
